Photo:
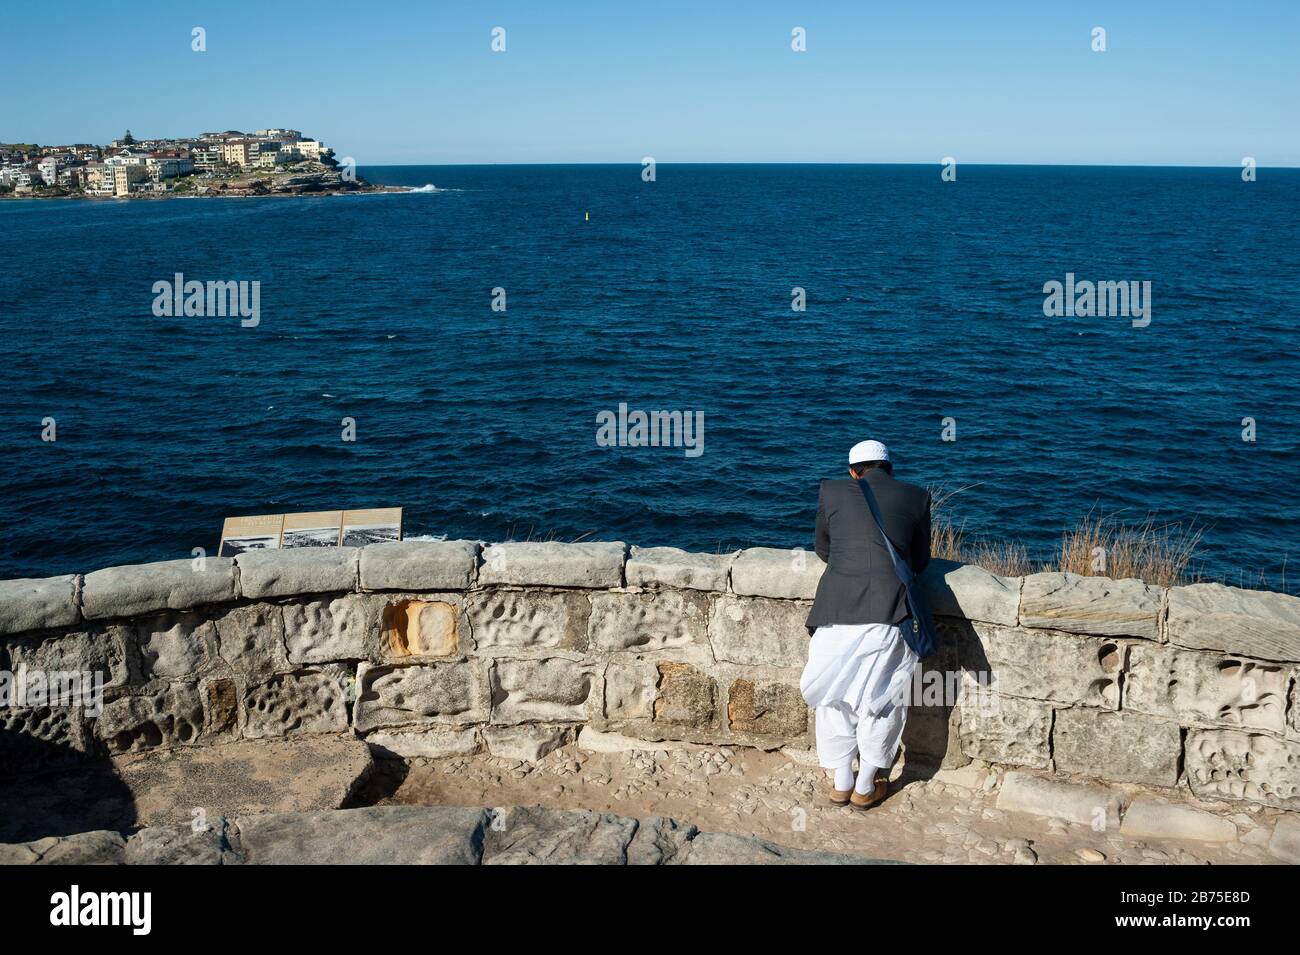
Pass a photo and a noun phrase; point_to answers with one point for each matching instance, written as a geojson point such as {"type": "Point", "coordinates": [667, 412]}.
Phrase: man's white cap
{"type": "Point", "coordinates": [868, 451]}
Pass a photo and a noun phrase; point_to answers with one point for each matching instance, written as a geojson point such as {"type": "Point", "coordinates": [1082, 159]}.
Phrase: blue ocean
{"type": "Point", "coordinates": [923, 327]}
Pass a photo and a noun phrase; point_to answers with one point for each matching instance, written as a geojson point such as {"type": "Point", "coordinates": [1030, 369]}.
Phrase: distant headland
{"type": "Point", "coordinates": [231, 163]}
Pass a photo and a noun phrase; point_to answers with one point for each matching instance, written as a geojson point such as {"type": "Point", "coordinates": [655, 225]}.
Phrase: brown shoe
{"type": "Point", "coordinates": [876, 796]}
{"type": "Point", "coordinates": [841, 797]}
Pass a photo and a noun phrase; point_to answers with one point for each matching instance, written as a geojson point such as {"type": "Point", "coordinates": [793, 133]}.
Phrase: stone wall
{"type": "Point", "coordinates": [440, 648]}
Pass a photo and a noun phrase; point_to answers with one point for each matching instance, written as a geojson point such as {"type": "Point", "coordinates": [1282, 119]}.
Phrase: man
{"type": "Point", "coordinates": [859, 668]}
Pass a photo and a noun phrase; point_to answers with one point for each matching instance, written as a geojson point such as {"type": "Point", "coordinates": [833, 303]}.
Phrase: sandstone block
{"type": "Point", "coordinates": [775, 572]}
{"type": "Point", "coordinates": [447, 693]}
{"type": "Point", "coordinates": [38, 604]}
{"type": "Point", "coordinates": [291, 704]}
{"type": "Point", "coordinates": [419, 566]}
{"type": "Point", "coordinates": [173, 645]}
{"type": "Point", "coordinates": [756, 631]}
{"type": "Point", "coordinates": [330, 629]}
{"type": "Point", "coordinates": [1206, 688]}
{"type": "Point", "coordinates": [1092, 605]}
{"type": "Point", "coordinates": [1249, 622]}
{"type": "Point", "coordinates": [1005, 729]}
{"type": "Point", "coordinates": [102, 654]}
{"type": "Point", "coordinates": [433, 743]}
{"type": "Point", "coordinates": [170, 717]}
{"type": "Point", "coordinates": [1150, 818]}
{"type": "Point", "coordinates": [420, 628]}
{"type": "Point", "coordinates": [512, 620]}
{"type": "Point", "coordinates": [1083, 803]}
{"type": "Point", "coordinates": [147, 588]}
{"type": "Point", "coordinates": [649, 622]}
{"type": "Point", "coordinates": [553, 564]}
{"type": "Point", "coordinates": [1126, 747]}
{"type": "Point", "coordinates": [528, 743]}
{"type": "Point", "coordinates": [553, 689]}
{"type": "Point", "coordinates": [250, 640]}
{"type": "Point", "coordinates": [766, 709]}
{"type": "Point", "coordinates": [670, 567]}
{"type": "Point", "coordinates": [1231, 764]}
{"type": "Point", "coordinates": [971, 592]}
{"type": "Point", "coordinates": [297, 571]}
{"type": "Point", "coordinates": [374, 835]}
{"type": "Point", "coordinates": [685, 696]}
{"type": "Point", "coordinates": [1284, 844]}
{"type": "Point", "coordinates": [1048, 665]}
{"type": "Point", "coordinates": [630, 690]}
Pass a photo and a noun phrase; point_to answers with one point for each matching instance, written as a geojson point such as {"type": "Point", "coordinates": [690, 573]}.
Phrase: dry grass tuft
{"type": "Point", "coordinates": [1160, 554]}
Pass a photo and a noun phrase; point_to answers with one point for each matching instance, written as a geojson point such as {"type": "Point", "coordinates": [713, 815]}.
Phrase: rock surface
{"type": "Point", "coordinates": [553, 564]}
{"type": "Point", "coordinates": [670, 567]}
{"type": "Point", "coordinates": [775, 572]}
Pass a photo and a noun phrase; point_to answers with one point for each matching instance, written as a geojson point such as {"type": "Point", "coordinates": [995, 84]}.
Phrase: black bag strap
{"type": "Point", "coordinates": [901, 567]}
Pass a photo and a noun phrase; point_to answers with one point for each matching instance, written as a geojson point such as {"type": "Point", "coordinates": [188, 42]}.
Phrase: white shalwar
{"type": "Point", "coordinates": [858, 679]}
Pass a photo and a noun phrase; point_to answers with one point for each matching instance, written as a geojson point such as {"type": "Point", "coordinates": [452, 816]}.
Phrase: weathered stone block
{"type": "Point", "coordinates": [554, 690]}
{"type": "Point", "coordinates": [373, 835]}
{"type": "Point", "coordinates": [670, 567]}
{"type": "Point", "coordinates": [529, 742]}
{"type": "Point", "coordinates": [1005, 729]}
{"type": "Point", "coordinates": [147, 588]}
{"type": "Point", "coordinates": [932, 735]}
{"type": "Point", "coordinates": [1046, 664]}
{"type": "Point", "coordinates": [419, 629]}
{"type": "Point", "coordinates": [755, 631]}
{"type": "Point", "coordinates": [173, 645]}
{"type": "Point", "coordinates": [221, 706]}
{"type": "Point", "coordinates": [99, 653]}
{"type": "Point", "coordinates": [1249, 622]}
{"type": "Point", "coordinates": [448, 693]}
{"type": "Point", "coordinates": [290, 704]}
{"type": "Point", "coordinates": [1149, 818]}
{"type": "Point", "coordinates": [170, 717]}
{"type": "Point", "coordinates": [434, 743]}
{"type": "Point", "coordinates": [296, 571]}
{"type": "Point", "coordinates": [645, 623]}
{"type": "Point", "coordinates": [1230, 764]}
{"type": "Point", "coordinates": [775, 572]}
{"type": "Point", "coordinates": [1086, 804]}
{"type": "Point", "coordinates": [331, 629]}
{"type": "Point", "coordinates": [1284, 843]}
{"type": "Point", "coordinates": [685, 696]}
{"type": "Point", "coordinates": [1093, 605]}
{"type": "Point", "coordinates": [630, 689]}
{"type": "Point", "coordinates": [971, 592]}
{"type": "Point", "coordinates": [250, 640]}
{"type": "Point", "coordinates": [513, 620]}
{"type": "Point", "coordinates": [1125, 747]}
{"type": "Point", "coordinates": [766, 709]}
{"type": "Point", "coordinates": [419, 566]}
{"type": "Point", "coordinates": [552, 564]}
{"type": "Point", "coordinates": [39, 737]}
{"type": "Point", "coordinates": [38, 604]}
{"type": "Point", "coordinates": [1206, 688]}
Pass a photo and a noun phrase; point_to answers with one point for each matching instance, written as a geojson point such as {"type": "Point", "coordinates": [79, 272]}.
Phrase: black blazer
{"type": "Point", "coordinates": [859, 584]}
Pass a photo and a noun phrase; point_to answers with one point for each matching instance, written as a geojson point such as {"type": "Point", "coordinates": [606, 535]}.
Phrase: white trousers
{"type": "Point", "coordinates": [857, 678]}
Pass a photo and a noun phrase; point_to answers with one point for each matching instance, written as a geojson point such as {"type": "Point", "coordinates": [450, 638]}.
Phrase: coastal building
{"type": "Point", "coordinates": [49, 170]}
{"type": "Point", "coordinates": [283, 135]}
{"type": "Point", "coordinates": [205, 157]}
{"type": "Point", "coordinates": [168, 165]}
{"type": "Point", "coordinates": [236, 152]}
{"type": "Point", "coordinates": [125, 176]}
{"type": "Point", "coordinates": [311, 148]}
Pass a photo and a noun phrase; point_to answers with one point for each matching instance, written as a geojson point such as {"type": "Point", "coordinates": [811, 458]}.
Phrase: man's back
{"type": "Point", "coordinates": [860, 585]}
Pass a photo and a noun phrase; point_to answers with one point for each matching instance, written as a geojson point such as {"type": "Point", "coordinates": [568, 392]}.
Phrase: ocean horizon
{"type": "Point", "coordinates": [923, 326]}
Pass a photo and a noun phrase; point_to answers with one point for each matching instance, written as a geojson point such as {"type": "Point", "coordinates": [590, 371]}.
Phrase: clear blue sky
{"type": "Point", "coordinates": [1181, 83]}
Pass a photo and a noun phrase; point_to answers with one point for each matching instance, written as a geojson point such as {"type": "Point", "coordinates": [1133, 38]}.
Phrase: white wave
{"type": "Point", "coordinates": [425, 537]}
{"type": "Point", "coordinates": [427, 187]}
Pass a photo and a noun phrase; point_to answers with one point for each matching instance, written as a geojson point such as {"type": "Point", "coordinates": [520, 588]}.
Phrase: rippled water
{"type": "Point", "coordinates": [924, 301]}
